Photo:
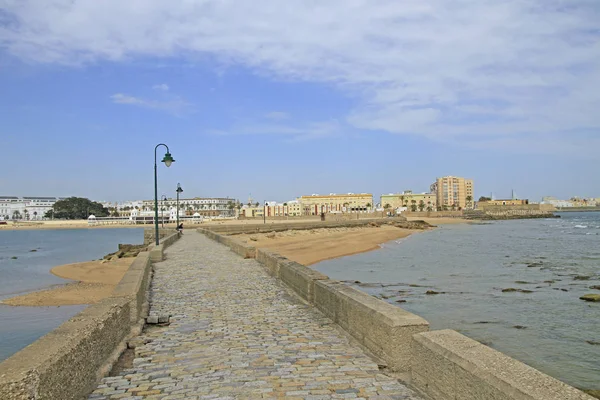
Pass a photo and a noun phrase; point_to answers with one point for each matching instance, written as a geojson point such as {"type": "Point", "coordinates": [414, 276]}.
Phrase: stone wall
{"type": "Point", "coordinates": [162, 232]}
{"type": "Point", "coordinates": [433, 214]}
{"type": "Point", "coordinates": [68, 362]}
{"type": "Point", "coordinates": [442, 365]}
{"type": "Point", "coordinates": [524, 207]}
{"type": "Point", "coordinates": [280, 227]}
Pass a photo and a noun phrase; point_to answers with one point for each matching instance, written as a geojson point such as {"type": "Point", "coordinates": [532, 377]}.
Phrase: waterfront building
{"type": "Point", "coordinates": [504, 202]}
{"type": "Point", "coordinates": [25, 208]}
{"type": "Point", "coordinates": [204, 206]}
{"type": "Point", "coordinates": [316, 204]}
{"type": "Point", "coordinates": [412, 201]}
{"type": "Point", "coordinates": [453, 192]}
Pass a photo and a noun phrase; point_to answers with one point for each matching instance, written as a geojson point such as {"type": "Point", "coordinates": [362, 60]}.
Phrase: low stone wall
{"type": "Point", "coordinates": [433, 214]}
{"type": "Point", "coordinates": [68, 362]}
{"type": "Point", "coordinates": [157, 252]}
{"type": "Point", "coordinates": [162, 232]}
{"type": "Point", "coordinates": [386, 330]}
{"type": "Point", "coordinates": [449, 366]}
{"type": "Point", "coordinates": [442, 365]}
{"type": "Point", "coordinates": [279, 227]}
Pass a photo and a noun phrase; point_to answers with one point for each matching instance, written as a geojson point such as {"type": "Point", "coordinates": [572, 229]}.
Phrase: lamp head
{"type": "Point", "coordinates": [168, 159]}
{"type": "Point", "coordinates": [179, 189]}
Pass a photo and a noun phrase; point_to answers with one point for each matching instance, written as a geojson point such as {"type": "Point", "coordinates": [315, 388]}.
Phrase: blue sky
{"type": "Point", "coordinates": [280, 99]}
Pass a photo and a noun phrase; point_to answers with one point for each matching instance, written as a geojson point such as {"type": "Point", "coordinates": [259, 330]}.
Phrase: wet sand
{"type": "Point", "coordinates": [94, 281]}
{"type": "Point", "coordinates": [312, 246]}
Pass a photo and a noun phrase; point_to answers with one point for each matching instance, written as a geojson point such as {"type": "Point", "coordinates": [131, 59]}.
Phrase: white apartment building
{"type": "Point", "coordinates": [207, 207]}
{"type": "Point", "coordinates": [25, 208]}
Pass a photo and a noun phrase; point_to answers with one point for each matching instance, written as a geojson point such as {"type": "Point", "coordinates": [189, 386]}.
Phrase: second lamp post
{"type": "Point", "coordinates": [179, 190]}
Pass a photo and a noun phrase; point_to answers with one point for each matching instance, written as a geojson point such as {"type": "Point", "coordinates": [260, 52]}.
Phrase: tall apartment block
{"type": "Point", "coordinates": [453, 191]}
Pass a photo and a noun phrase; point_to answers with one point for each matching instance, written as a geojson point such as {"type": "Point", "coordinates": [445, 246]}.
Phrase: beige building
{"type": "Point", "coordinates": [504, 202]}
{"type": "Point", "coordinates": [412, 201]}
{"type": "Point", "coordinates": [351, 202]}
{"type": "Point", "coordinates": [453, 192]}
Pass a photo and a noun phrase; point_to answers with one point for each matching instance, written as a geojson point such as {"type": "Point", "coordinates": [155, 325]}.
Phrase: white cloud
{"type": "Point", "coordinates": [174, 105]}
{"type": "Point", "coordinates": [438, 68]}
{"type": "Point", "coordinates": [303, 131]}
{"type": "Point", "coordinates": [277, 115]}
{"type": "Point", "coordinates": [163, 87]}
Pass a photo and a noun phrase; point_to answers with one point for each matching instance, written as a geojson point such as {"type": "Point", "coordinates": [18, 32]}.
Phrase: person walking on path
{"type": "Point", "coordinates": [180, 228]}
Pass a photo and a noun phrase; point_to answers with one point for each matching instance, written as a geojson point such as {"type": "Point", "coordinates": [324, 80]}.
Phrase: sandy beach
{"type": "Point", "coordinates": [83, 224]}
{"type": "Point", "coordinates": [312, 246]}
{"type": "Point", "coordinates": [93, 281]}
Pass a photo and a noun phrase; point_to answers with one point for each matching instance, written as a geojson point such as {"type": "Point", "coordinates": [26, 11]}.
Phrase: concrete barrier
{"type": "Point", "coordinates": [157, 252]}
{"type": "Point", "coordinates": [68, 362]}
{"type": "Point", "coordinates": [448, 365]}
{"type": "Point", "coordinates": [271, 261]}
{"type": "Point", "coordinates": [134, 286]}
{"type": "Point", "coordinates": [300, 278]}
{"type": "Point", "coordinates": [386, 330]}
{"type": "Point", "coordinates": [279, 227]}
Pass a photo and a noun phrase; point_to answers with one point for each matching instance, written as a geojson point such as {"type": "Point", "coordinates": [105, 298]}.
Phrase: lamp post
{"type": "Point", "coordinates": [162, 210]}
{"type": "Point", "coordinates": [265, 213]}
{"type": "Point", "coordinates": [179, 190]}
{"type": "Point", "coordinates": [168, 160]}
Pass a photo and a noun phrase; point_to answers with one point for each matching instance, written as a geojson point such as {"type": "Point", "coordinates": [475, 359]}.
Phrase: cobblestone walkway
{"type": "Point", "coordinates": [237, 333]}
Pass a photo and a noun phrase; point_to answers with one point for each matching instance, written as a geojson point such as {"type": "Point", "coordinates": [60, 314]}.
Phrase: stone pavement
{"type": "Point", "coordinates": [236, 332]}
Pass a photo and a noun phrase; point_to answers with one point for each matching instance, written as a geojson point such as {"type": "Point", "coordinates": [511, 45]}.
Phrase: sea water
{"type": "Point", "coordinates": [36, 252]}
{"type": "Point", "coordinates": [557, 260]}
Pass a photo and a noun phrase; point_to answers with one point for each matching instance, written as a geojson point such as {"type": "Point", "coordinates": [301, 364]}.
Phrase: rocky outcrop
{"type": "Point", "coordinates": [591, 297]}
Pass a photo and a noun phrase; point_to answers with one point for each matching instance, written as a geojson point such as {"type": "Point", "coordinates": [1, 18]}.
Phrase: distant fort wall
{"type": "Point", "coordinates": [442, 365]}
{"type": "Point", "coordinates": [68, 362]}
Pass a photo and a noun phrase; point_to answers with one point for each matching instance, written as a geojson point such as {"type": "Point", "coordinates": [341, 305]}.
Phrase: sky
{"type": "Point", "coordinates": [276, 99]}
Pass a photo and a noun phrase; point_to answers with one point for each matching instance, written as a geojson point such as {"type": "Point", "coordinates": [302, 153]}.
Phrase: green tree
{"type": "Point", "coordinates": [77, 208]}
{"type": "Point", "coordinates": [483, 198]}
{"type": "Point", "coordinates": [16, 214]}
{"type": "Point", "coordinates": [469, 201]}
{"type": "Point", "coordinates": [387, 206]}
{"type": "Point", "coordinates": [421, 205]}
{"type": "Point", "coordinates": [413, 207]}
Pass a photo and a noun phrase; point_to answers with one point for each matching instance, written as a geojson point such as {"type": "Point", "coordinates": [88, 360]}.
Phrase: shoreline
{"type": "Point", "coordinates": [90, 282]}
{"type": "Point", "coordinates": [313, 246]}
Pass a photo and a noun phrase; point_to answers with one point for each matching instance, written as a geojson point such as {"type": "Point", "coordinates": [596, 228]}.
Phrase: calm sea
{"type": "Point", "coordinates": [31, 271]}
{"type": "Point", "coordinates": [558, 260]}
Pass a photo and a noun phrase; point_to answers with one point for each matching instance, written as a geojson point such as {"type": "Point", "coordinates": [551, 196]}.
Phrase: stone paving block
{"type": "Point", "coordinates": [235, 332]}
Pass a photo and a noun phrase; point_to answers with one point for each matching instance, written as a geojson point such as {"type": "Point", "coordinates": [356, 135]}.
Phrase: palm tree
{"type": "Point", "coordinates": [16, 214]}
{"type": "Point", "coordinates": [35, 215]}
{"type": "Point", "coordinates": [469, 200]}
{"type": "Point", "coordinates": [257, 204]}
{"type": "Point", "coordinates": [421, 205]}
{"type": "Point", "coordinates": [387, 206]}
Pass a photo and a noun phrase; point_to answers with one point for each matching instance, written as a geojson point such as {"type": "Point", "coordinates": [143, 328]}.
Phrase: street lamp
{"type": "Point", "coordinates": [162, 210]}
{"type": "Point", "coordinates": [179, 190]}
{"type": "Point", "coordinates": [168, 160]}
{"type": "Point", "coordinates": [265, 213]}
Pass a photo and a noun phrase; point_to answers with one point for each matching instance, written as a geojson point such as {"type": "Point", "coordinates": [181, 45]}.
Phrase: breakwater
{"type": "Point", "coordinates": [68, 362]}
{"type": "Point", "coordinates": [441, 364]}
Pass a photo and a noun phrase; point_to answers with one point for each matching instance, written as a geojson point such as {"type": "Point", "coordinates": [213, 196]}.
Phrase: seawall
{"type": "Point", "coordinates": [68, 362]}
{"type": "Point", "coordinates": [439, 364]}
